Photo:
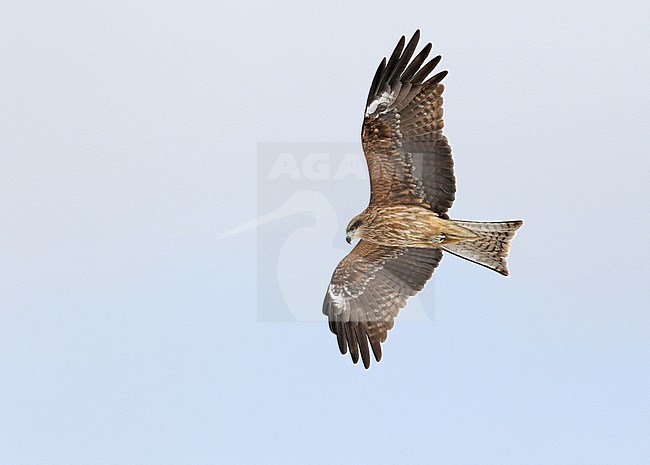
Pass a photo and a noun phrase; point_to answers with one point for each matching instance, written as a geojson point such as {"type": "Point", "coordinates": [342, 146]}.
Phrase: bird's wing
{"type": "Point", "coordinates": [368, 288]}
{"type": "Point", "coordinates": [409, 158]}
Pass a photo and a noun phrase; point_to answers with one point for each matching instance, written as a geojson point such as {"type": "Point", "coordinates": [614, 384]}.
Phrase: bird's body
{"type": "Point", "coordinates": [405, 228]}
{"type": "Point", "coordinates": [409, 226]}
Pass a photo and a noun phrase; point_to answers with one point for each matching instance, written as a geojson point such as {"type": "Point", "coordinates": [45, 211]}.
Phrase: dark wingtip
{"type": "Point", "coordinates": [441, 75]}
{"type": "Point", "coordinates": [366, 363]}
{"type": "Point", "coordinates": [340, 338]}
{"type": "Point", "coordinates": [399, 47]}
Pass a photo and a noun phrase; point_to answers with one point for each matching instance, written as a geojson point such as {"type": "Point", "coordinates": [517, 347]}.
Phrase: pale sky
{"type": "Point", "coordinates": [132, 333]}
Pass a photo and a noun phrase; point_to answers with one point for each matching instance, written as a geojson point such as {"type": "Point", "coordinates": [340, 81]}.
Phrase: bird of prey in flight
{"type": "Point", "coordinates": [405, 229]}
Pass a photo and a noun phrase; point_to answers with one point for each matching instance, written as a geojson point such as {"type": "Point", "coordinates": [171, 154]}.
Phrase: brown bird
{"type": "Point", "coordinates": [405, 228]}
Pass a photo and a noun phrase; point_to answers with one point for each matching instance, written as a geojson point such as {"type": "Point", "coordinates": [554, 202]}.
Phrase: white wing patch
{"type": "Point", "coordinates": [385, 98]}
{"type": "Point", "coordinates": [337, 298]}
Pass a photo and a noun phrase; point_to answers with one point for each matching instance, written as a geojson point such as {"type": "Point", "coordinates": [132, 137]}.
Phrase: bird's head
{"type": "Point", "coordinates": [354, 228]}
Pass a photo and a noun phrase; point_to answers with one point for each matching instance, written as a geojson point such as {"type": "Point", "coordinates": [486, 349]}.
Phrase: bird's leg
{"type": "Point", "coordinates": [439, 238]}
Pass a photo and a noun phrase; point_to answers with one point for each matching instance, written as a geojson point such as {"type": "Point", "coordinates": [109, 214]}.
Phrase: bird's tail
{"type": "Point", "coordinates": [492, 245]}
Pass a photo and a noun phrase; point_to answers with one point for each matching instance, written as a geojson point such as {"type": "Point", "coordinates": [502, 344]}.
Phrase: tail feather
{"type": "Point", "coordinates": [491, 247]}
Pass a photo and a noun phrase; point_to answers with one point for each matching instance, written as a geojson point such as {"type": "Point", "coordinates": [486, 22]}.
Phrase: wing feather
{"type": "Point", "coordinates": [404, 59]}
{"type": "Point", "coordinates": [376, 80]}
{"type": "Point", "coordinates": [417, 62]}
{"type": "Point", "coordinates": [408, 156]}
{"type": "Point", "coordinates": [368, 289]}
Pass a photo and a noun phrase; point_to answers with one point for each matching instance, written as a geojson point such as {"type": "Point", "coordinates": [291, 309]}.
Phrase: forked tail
{"type": "Point", "coordinates": [491, 247]}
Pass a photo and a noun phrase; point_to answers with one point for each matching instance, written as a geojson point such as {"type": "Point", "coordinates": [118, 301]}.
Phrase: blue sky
{"type": "Point", "coordinates": [132, 333]}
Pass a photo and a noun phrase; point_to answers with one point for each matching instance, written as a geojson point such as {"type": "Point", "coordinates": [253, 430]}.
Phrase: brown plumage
{"type": "Point", "coordinates": [405, 227]}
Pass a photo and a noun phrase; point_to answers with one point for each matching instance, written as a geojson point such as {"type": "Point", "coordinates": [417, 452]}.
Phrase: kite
{"type": "Point", "coordinates": [405, 229]}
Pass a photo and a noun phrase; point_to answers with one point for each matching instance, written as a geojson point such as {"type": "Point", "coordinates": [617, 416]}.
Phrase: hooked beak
{"type": "Point", "coordinates": [348, 239]}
